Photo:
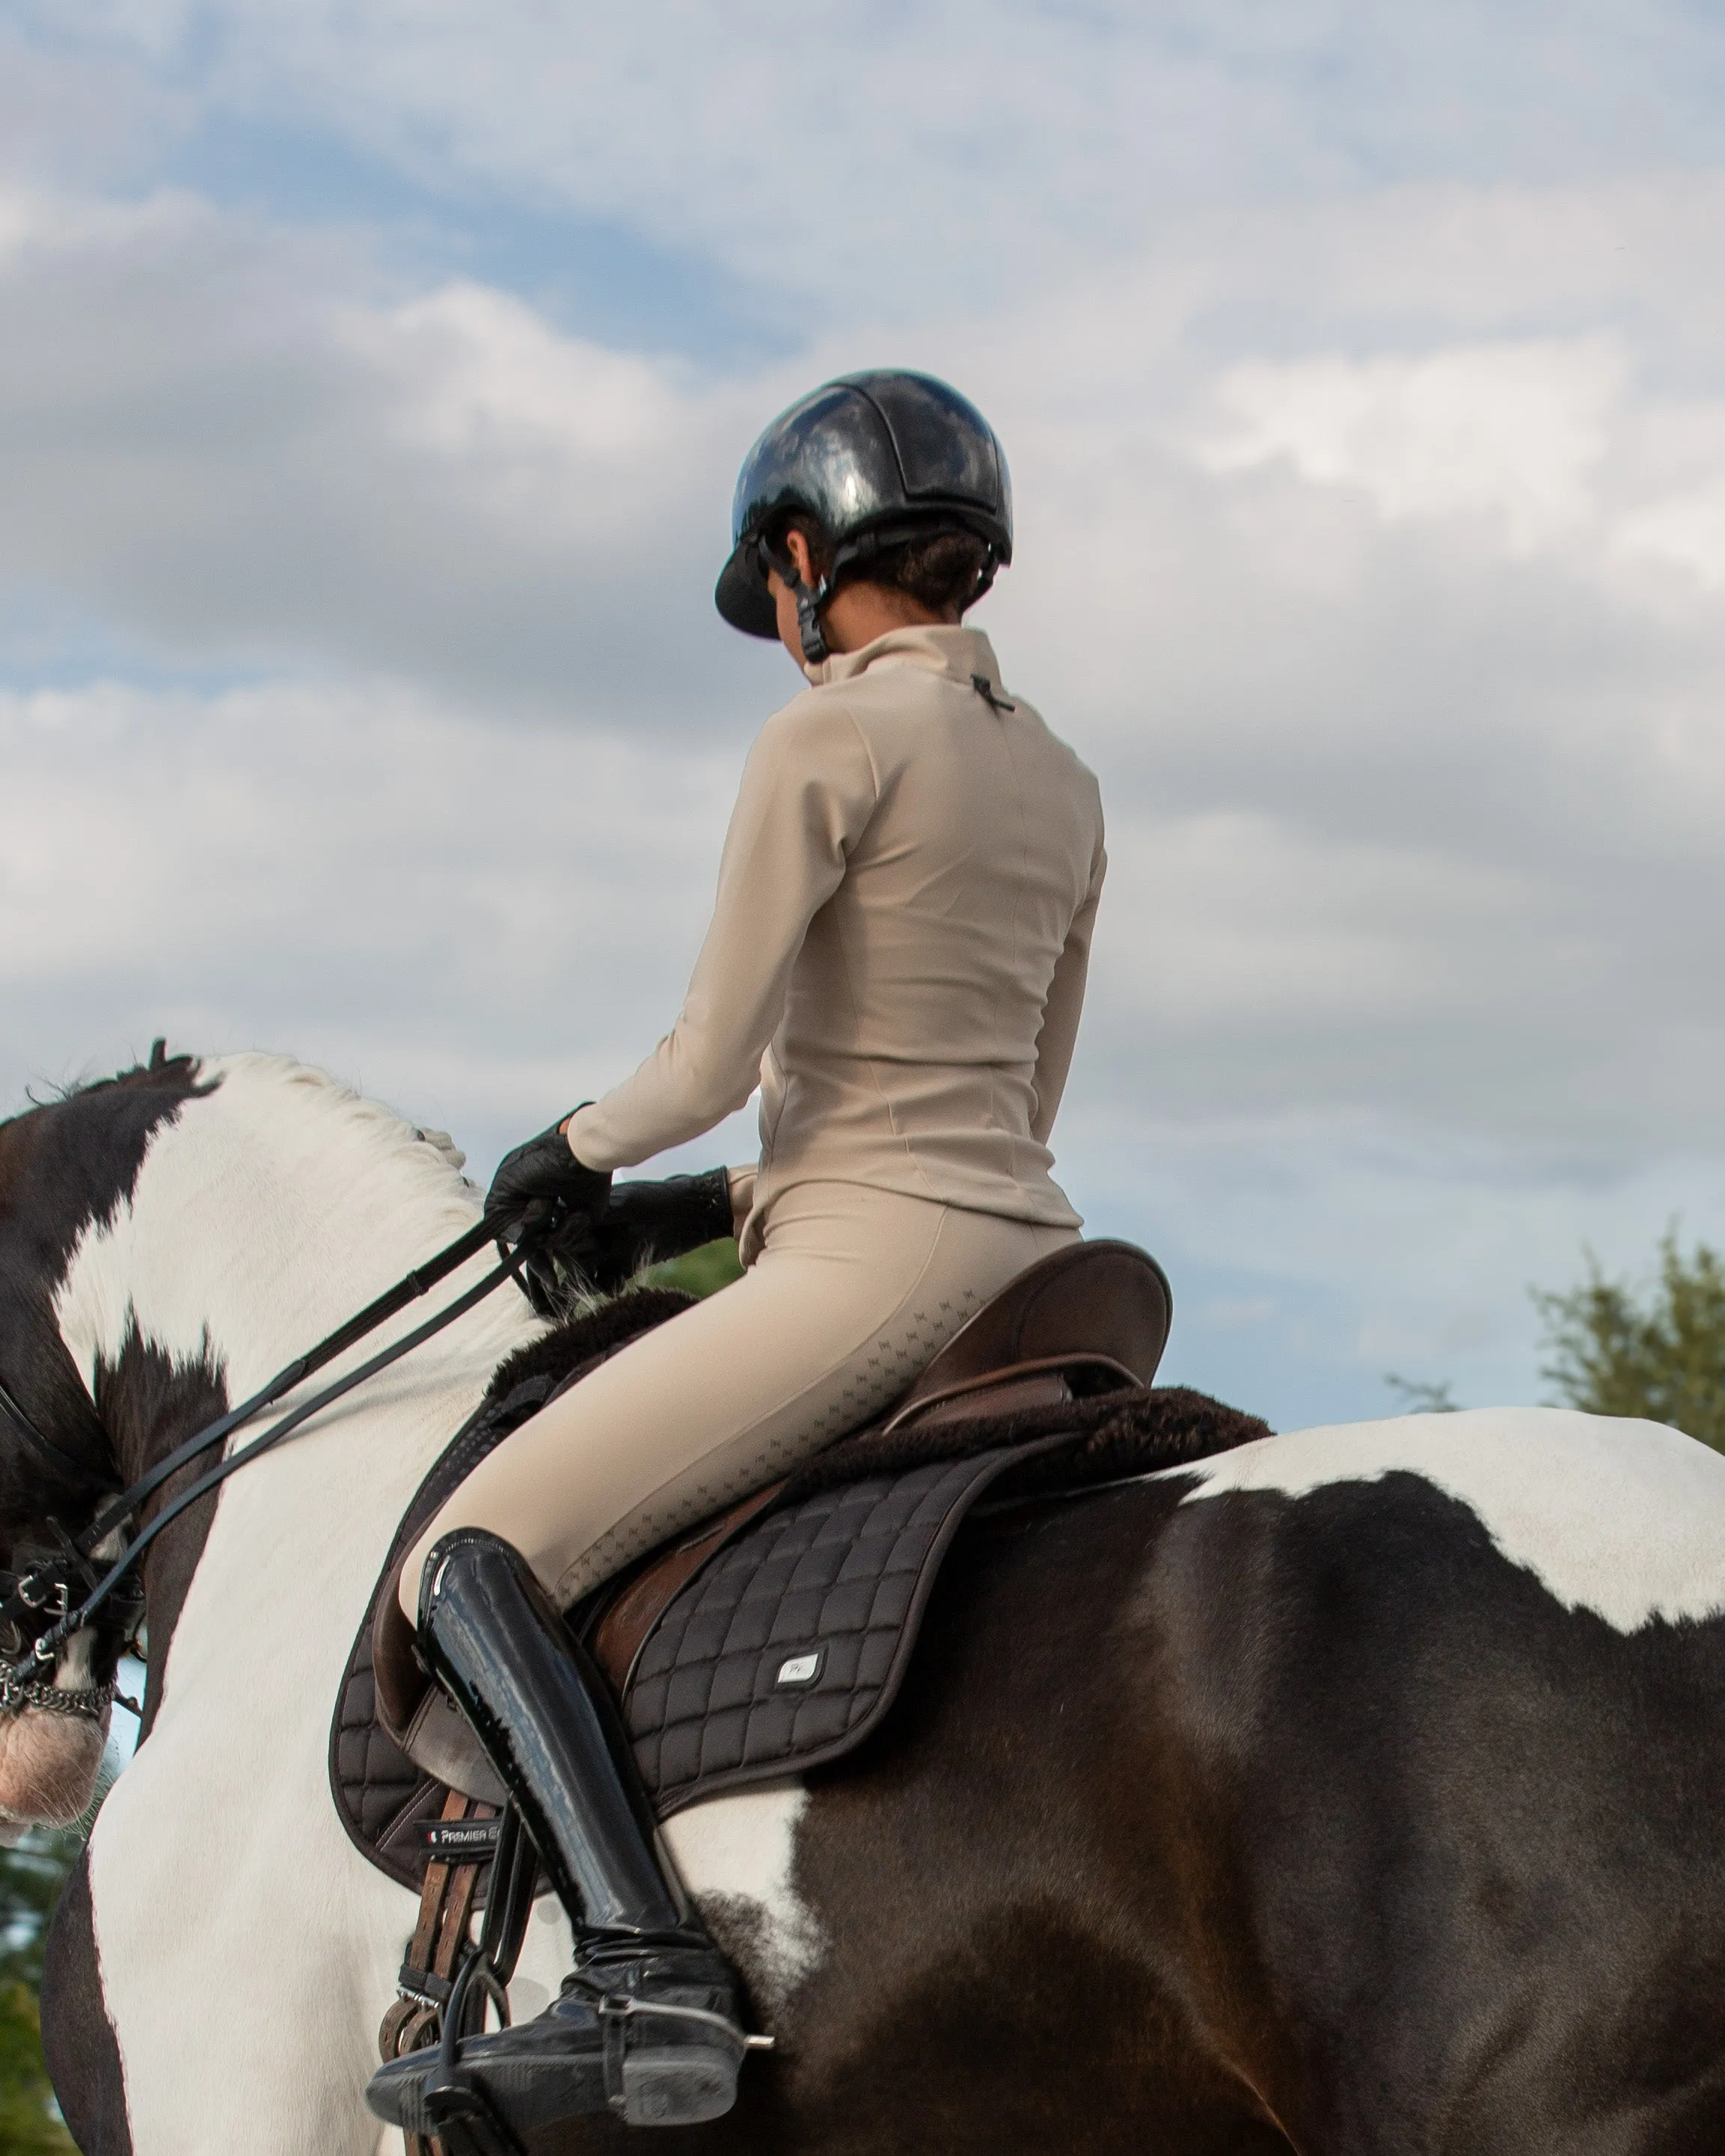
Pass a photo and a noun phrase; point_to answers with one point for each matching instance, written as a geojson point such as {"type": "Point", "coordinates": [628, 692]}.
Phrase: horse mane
{"type": "Point", "coordinates": [293, 1147]}
{"type": "Point", "coordinates": [203, 1074]}
{"type": "Point", "coordinates": [170, 1071]}
{"type": "Point", "coordinates": [432, 1155]}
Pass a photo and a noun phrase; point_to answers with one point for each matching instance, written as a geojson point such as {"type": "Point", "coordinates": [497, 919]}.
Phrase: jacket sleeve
{"type": "Point", "coordinates": [1065, 1005]}
{"type": "Point", "coordinates": [808, 792]}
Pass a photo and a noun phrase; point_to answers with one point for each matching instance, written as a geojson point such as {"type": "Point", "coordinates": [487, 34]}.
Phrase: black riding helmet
{"type": "Point", "coordinates": [876, 460]}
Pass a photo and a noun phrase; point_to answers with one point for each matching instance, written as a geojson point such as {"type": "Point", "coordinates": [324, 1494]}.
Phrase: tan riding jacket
{"type": "Point", "coordinates": [899, 947]}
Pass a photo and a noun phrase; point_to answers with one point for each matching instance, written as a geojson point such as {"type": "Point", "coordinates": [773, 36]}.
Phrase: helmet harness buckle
{"type": "Point", "coordinates": [810, 601]}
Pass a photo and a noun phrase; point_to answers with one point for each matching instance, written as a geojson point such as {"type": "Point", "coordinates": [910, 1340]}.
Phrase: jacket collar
{"type": "Point", "coordinates": [958, 652]}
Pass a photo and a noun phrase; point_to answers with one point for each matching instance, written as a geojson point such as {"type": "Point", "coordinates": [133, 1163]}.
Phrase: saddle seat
{"type": "Point", "coordinates": [775, 1636]}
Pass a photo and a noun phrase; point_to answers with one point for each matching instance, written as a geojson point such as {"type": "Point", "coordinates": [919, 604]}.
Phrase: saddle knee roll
{"type": "Point", "coordinates": [417, 1716]}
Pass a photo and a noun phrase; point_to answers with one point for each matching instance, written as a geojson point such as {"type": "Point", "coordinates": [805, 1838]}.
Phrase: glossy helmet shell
{"type": "Point", "coordinates": [875, 459]}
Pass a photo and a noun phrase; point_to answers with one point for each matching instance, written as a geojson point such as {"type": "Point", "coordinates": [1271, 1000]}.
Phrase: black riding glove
{"type": "Point", "coordinates": [539, 1180]}
{"type": "Point", "coordinates": [644, 1223]}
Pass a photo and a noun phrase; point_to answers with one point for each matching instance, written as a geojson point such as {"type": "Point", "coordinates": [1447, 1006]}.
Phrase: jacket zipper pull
{"type": "Point", "coordinates": [980, 683]}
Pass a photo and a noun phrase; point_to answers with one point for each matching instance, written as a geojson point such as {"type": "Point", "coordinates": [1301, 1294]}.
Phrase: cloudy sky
{"type": "Point", "coordinates": [373, 379]}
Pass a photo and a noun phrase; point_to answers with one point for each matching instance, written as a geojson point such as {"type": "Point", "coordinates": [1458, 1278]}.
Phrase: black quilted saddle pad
{"type": "Point", "coordinates": [782, 1654]}
{"type": "Point", "coordinates": [789, 1645]}
{"type": "Point", "coordinates": [788, 1649]}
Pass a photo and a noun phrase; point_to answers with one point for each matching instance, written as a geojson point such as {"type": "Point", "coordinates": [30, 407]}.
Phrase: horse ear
{"type": "Point", "coordinates": [159, 1052]}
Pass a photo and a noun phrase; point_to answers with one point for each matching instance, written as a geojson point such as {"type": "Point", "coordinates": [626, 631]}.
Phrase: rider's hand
{"type": "Point", "coordinates": [536, 1180]}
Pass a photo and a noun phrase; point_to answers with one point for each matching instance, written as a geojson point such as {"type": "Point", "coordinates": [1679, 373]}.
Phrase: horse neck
{"type": "Point", "coordinates": [267, 1212]}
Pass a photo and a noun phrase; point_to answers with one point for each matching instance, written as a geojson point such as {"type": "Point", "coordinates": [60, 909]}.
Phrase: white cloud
{"type": "Point", "coordinates": [963, 140]}
{"type": "Point", "coordinates": [499, 917]}
{"type": "Point", "coordinates": [1687, 529]}
{"type": "Point", "coordinates": [1312, 1253]}
{"type": "Point", "coordinates": [483, 376]}
{"type": "Point", "coordinates": [1355, 1100]}
{"type": "Point", "coordinates": [1517, 431]}
{"type": "Point", "coordinates": [700, 130]}
{"type": "Point", "coordinates": [235, 445]}
{"type": "Point", "coordinates": [1398, 753]}
{"type": "Point", "coordinates": [1370, 543]}
{"type": "Point", "coordinates": [87, 115]}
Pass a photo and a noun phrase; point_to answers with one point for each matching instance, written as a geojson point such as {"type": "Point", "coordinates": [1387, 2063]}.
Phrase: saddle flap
{"type": "Point", "coordinates": [1102, 1302]}
{"type": "Point", "coordinates": [625, 1623]}
{"type": "Point", "coordinates": [416, 1715]}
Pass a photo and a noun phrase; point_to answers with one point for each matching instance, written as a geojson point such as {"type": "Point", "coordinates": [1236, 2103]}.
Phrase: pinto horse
{"type": "Point", "coordinates": [1360, 1792]}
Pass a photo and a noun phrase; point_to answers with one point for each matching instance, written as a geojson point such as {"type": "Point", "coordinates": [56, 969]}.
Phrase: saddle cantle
{"type": "Point", "coordinates": [776, 1637]}
{"type": "Point", "coordinates": [1091, 1317]}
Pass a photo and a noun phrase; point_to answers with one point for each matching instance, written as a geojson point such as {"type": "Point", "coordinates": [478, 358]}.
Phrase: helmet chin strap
{"type": "Point", "coordinates": [809, 604]}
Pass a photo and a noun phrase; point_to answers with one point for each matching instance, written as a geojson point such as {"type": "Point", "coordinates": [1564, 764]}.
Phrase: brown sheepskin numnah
{"type": "Point", "coordinates": [1114, 1436]}
{"type": "Point", "coordinates": [48, 1767]}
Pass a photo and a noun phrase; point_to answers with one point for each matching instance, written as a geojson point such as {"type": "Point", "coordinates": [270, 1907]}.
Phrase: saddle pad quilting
{"type": "Point", "coordinates": [839, 1567]}
{"type": "Point", "coordinates": [792, 1644]}
{"type": "Point", "coordinates": [367, 1762]}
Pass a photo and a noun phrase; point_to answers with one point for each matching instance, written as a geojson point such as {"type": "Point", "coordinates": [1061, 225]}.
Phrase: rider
{"type": "Point", "coordinates": [897, 957]}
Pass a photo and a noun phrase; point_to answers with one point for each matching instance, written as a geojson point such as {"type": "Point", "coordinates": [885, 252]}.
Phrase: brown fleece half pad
{"type": "Point", "coordinates": [1111, 1435]}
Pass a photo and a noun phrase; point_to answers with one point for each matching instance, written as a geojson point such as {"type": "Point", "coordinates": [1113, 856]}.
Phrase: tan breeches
{"type": "Point", "coordinates": [853, 1291]}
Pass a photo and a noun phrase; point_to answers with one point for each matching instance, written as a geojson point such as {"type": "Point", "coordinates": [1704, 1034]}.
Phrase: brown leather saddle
{"type": "Point", "coordinates": [1090, 1319]}
{"type": "Point", "coordinates": [776, 1637]}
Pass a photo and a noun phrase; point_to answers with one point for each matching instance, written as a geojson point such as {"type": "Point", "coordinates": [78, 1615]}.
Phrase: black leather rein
{"type": "Point", "coordinates": [48, 1585]}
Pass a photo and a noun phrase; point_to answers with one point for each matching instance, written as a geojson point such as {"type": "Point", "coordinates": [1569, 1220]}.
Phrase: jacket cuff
{"type": "Point", "coordinates": [571, 1120]}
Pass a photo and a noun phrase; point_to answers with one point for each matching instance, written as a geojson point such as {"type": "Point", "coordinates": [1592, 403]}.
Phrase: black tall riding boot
{"type": "Point", "coordinates": [647, 2024]}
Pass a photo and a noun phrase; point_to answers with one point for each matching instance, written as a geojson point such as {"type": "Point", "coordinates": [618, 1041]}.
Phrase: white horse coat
{"type": "Point", "coordinates": [248, 1951]}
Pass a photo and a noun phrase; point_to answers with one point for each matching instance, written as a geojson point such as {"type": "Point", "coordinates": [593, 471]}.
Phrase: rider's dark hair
{"type": "Point", "coordinates": [942, 573]}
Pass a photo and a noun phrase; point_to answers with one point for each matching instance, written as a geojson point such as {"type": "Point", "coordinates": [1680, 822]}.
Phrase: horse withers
{"type": "Point", "coordinates": [1359, 1790]}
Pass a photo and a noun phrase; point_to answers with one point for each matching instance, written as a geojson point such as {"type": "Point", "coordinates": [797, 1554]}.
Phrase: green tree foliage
{"type": "Point", "coordinates": [1423, 1395]}
{"type": "Point", "coordinates": [700, 1272]}
{"type": "Point", "coordinates": [1657, 1352]}
{"type": "Point", "coordinates": [30, 1879]}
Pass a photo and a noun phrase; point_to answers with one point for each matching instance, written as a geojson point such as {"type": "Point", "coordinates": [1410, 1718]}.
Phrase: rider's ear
{"type": "Point", "coordinates": [796, 545]}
